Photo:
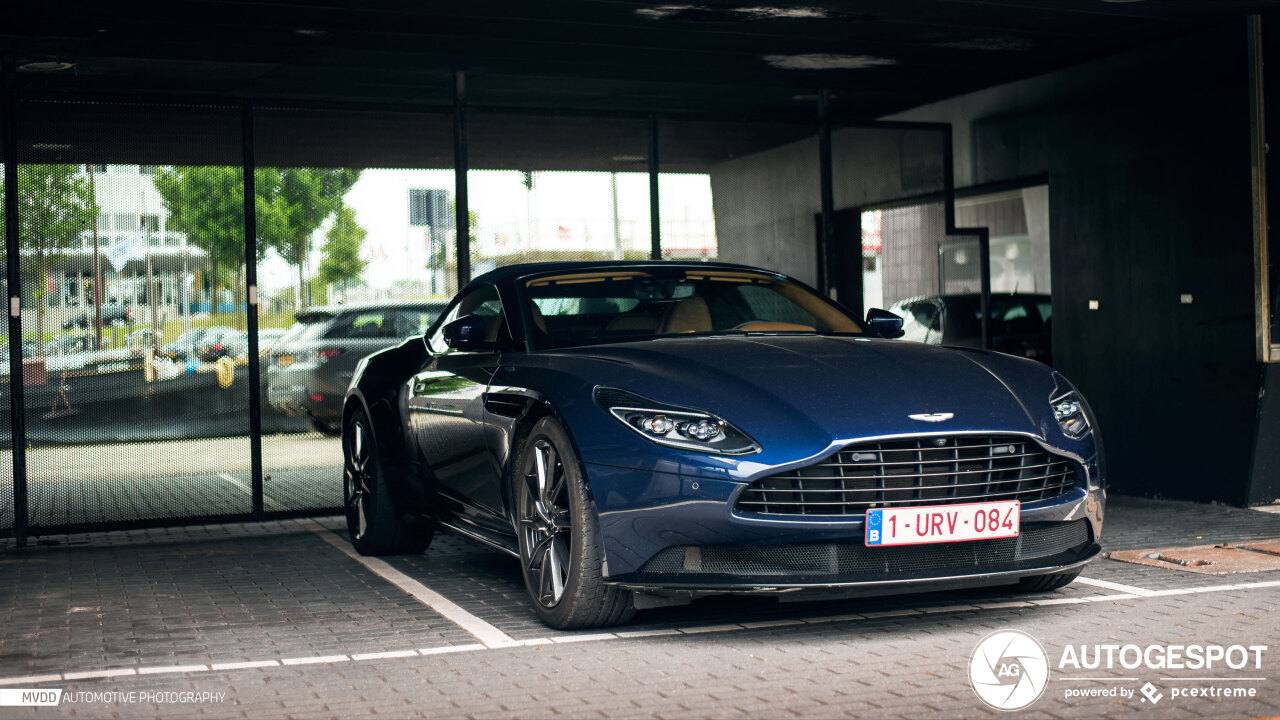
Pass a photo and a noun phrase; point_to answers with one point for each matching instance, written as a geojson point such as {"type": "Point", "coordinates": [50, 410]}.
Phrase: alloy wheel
{"type": "Point", "coordinates": [357, 481]}
{"type": "Point", "coordinates": [545, 524]}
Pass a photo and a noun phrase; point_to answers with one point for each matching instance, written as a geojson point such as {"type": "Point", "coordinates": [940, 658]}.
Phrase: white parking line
{"type": "Point", "coordinates": [1108, 585]}
{"type": "Point", "coordinates": [481, 630]}
{"type": "Point", "coordinates": [164, 669]}
{"type": "Point", "coordinates": [321, 660]}
{"type": "Point", "coordinates": [243, 488]}
{"type": "Point", "coordinates": [593, 637]}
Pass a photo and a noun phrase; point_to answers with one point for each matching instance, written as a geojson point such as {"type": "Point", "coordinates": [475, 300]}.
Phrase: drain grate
{"type": "Point", "coordinates": [1223, 559]}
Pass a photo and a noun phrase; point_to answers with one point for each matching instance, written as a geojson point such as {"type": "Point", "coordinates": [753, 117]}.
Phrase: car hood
{"type": "Point", "coordinates": [807, 393]}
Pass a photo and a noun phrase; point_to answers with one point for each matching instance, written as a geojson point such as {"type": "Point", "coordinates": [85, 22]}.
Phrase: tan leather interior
{"type": "Point", "coordinates": [766, 326]}
{"type": "Point", "coordinates": [687, 316]}
{"type": "Point", "coordinates": [539, 321]}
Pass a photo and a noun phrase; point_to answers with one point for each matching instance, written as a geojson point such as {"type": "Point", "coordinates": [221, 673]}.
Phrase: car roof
{"type": "Point", "coordinates": [971, 296]}
{"type": "Point", "coordinates": [374, 305]}
{"type": "Point", "coordinates": [509, 273]}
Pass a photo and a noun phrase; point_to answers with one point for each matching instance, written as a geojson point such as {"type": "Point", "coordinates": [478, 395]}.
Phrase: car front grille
{"type": "Point", "coordinates": [914, 471]}
{"type": "Point", "coordinates": [854, 560]}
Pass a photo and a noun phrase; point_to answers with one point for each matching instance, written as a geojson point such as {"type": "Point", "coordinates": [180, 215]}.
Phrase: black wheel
{"type": "Point", "coordinates": [560, 552]}
{"type": "Point", "coordinates": [1045, 583]}
{"type": "Point", "coordinates": [375, 527]}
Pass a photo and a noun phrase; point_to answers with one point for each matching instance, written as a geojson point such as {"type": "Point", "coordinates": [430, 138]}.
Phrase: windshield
{"type": "Point", "coordinates": [601, 306]}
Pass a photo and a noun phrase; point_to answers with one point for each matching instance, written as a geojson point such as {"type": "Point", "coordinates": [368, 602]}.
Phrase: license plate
{"type": "Point", "coordinates": [284, 360]}
{"type": "Point", "coordinates": [943, 523]}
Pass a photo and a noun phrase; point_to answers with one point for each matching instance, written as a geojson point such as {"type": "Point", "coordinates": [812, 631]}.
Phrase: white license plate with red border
{"type": "Point", "coordinates": [927, 524]}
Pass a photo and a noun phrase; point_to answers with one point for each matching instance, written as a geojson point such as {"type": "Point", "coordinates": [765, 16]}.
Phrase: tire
{"type": "Point", "coordinates": [559, 538]}
{"type": "Point", "coordinates": [1045, 583]}
{"type": "Point", "coordinates": [373, 523]}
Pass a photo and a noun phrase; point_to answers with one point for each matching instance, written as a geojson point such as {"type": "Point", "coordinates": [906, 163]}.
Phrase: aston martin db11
{"type": "Point", "coordinates": [645, 433]}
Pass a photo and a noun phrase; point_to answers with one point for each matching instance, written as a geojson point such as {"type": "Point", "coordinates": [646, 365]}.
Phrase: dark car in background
{"type": "Point", "coordinates": [111, 315]}
{"type": "Point", "coordinates": [221, 341]}
{"type": "Point", "coordinates": [191, 343]}
{"type": "Point", "coordinates": [311, 365]}
{"type": "Point", "coordinates": [1021, 323]}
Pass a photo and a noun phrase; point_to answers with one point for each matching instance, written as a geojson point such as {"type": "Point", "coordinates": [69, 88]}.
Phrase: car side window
{"type": "Point", "coordinates": [362, 325]}
{"type": "Point", "coordinates": [483, 301]}
{"type": "Point", "coordinates": [414, 321]}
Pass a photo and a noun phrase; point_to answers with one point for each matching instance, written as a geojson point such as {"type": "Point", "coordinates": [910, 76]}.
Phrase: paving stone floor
{"type": "Point", "coordinates": [274, 620]}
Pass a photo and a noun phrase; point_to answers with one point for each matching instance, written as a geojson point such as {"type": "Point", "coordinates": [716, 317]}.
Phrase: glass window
{"type": "Point", "coordinates": [611, 305]}
{"type": "Point", "coordinates": [372, 324]}
{"type": "Point", "coordinates": [414, 321]}
{"type": "Point", "coordinates": [765, 305]}
{"type": "Point", "coordinates": [482, 301]}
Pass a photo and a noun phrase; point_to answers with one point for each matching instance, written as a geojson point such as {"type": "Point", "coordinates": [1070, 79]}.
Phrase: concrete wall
{"type": "Point", "coordinates": [765, 203]}
{"type": "Point", "coordinates": [1147, 156]}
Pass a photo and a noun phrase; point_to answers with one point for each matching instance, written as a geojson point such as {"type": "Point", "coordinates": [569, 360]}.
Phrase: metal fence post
{"type": "Point", "coordinates": [827, 193]}
{"type": "Point", "coordinates": [251, 280]}
{"type": "Point", "coordinates": [983, 234]}
{"type": "Point", "coordinates": [462, 207]}
{"type": "Point", "coordinates": [17, 394]}
{"type": "Point", "coordinates": [655, 213]}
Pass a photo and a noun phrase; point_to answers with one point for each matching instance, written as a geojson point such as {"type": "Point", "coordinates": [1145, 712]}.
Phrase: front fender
{"type": "Point", "coordinates": [375, 389]}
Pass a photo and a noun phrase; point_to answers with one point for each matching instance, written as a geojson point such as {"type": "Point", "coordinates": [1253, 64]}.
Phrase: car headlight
{"type": "Point", "coordinates": [674, 426]}
{"type": "Point", "coordinates": [1068, 409]}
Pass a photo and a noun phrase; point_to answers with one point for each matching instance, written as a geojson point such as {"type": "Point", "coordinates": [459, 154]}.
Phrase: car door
{"type": "Point", "coordinates": [446, 412]}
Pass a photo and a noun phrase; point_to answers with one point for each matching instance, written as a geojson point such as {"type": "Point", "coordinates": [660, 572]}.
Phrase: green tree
{"type": "Point", "coordinates": [341, 262]}
{"type": "Point", "coordinates": [292, 203]}
{"type": "Point", "coordinates": [55, 205]}
{"type": "Point", "coordinates": [207, 203]}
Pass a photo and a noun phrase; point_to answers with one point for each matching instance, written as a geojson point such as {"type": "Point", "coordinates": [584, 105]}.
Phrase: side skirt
{"type": "Point", "coordinates": [504, 543]}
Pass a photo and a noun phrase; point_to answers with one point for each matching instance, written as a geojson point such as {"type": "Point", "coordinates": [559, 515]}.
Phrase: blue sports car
{"type": "Point", "coordinates": [644, 433]}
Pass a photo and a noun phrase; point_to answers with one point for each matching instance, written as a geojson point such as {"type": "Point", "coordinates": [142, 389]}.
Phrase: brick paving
{"type": "Point", "coordinates": [276, 591]}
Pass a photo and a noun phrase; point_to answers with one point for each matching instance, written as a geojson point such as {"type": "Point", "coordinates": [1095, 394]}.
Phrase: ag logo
{"type": "Point", "coordinates": [1008, 670]}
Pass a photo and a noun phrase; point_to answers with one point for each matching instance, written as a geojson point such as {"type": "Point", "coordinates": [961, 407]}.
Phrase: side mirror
{"type": "Point", "coordinates": [884, 323]}
{"type": "Point", "coordinates": [467, 333]}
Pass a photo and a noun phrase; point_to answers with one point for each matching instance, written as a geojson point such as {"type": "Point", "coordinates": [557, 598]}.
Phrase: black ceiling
{"type": "Point", "coordinates": [669, 57]}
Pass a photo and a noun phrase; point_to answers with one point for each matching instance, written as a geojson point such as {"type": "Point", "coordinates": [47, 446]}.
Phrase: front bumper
{"type": "Point", "coordinates": [677, 532]}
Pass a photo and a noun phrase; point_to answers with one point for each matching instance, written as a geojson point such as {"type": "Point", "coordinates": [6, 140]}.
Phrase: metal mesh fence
{"type": "Point", "coordinates": [891, 222]}
{"type": "Point", "coordinates": [136, 291]}
{"type": "Point", "coordinates": [356, 233]}
{"type": "Point", "coordinates": [6, 397]}
{"type": "Point", "coordinates": [132, 250]}
{"type": "Point", "coordinates": [545, 188]}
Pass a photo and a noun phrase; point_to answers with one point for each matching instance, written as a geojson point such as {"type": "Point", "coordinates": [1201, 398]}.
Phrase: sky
{"type": "Point", "coordinates": [563, 211]}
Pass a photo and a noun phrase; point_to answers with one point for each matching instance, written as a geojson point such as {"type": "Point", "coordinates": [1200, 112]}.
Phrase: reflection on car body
{"type": "Point", "coordinates": [645, 433]}
{"type": "Point", "coordinates": [1021, 323]}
